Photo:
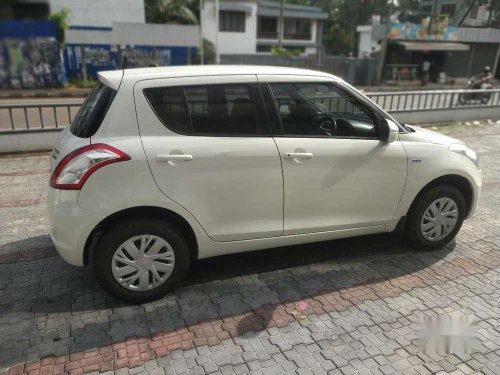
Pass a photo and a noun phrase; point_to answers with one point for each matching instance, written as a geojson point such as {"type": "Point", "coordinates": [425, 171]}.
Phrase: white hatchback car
{"type": "Point", "coordinates": [162, 166]}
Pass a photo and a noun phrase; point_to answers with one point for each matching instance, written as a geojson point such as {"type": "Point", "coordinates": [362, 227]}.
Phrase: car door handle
{"type": "Point", "coordinates": [298, 155]}
{"type": "Point", "coordinates": [167, 158]}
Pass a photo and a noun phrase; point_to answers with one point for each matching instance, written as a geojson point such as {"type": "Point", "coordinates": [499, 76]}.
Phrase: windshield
{"type": "Point", "coordinates": [92, 112]}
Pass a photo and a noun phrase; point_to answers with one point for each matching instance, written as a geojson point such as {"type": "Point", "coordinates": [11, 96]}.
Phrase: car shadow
{"type": "Point", "coordinates": [363, 248]}
{"type": "Point", "coordinates": [36, 290]}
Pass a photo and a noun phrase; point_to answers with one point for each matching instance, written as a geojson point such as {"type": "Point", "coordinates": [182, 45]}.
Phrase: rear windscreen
{"type": "Point", "coordinates": [92, 112]}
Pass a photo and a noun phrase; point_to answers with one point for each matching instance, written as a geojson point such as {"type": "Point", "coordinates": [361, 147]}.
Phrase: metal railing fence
{"type": "Point", "coordinates": [31, 116]}
{"type": "Point", "coordinates": [37, 116]}
{"type": "Point", "coordinates": [435, 99]}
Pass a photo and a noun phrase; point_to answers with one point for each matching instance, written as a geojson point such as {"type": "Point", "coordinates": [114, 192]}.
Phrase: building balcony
{"type": "Point", "coordinates": [267, 35]}
{"type": "Point", "coordinates": [295, 36]}
{"type": "Point", "coordinates": [286, 36]}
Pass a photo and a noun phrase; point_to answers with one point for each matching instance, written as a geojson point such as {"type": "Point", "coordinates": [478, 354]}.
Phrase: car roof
{"type": "Point", "coordinates": [113, 78]}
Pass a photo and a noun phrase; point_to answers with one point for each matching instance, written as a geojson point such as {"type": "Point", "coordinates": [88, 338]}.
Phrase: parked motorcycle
{"type": "Point", "coordinates": [472, 97]}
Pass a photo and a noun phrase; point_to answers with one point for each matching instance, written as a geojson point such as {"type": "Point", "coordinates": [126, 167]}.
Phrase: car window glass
{"type": "Point", "coordinates": [321, 109]}
{"type": "Point", "coordinates": [169, 105]}
{"type": "Point", "coordinates": [205, 109]}
{"type": "Point", "coordinates": [221, 109]}
{"type": "Point", "coordinates": [92, 112]}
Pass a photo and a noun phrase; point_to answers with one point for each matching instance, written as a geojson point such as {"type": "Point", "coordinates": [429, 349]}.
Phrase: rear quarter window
{"type": "Point", "coordinates": [93, 110]}
{"type": "Point", "coordinates": [218, 110]}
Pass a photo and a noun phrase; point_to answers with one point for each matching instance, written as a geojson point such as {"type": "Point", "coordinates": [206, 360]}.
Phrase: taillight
{"type": "Point", "coordinates": [72, 172]}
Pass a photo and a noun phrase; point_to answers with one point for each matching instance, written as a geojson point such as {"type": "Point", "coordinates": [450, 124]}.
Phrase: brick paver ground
{"type": "Point", "coordinates": [338, 307]}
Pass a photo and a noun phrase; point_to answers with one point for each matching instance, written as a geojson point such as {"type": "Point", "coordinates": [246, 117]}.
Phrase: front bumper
{"type": "Point", "coordinates": [70, 225]}
{"type": "Point", "coordinates": [477, 178]}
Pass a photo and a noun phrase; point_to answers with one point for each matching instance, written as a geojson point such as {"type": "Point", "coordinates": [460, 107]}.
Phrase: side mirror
{"type": "Point", "coordinates": [388, 131]}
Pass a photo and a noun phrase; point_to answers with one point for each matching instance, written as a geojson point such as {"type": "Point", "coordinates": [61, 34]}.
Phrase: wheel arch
{"type": "Point", "coordinates": [141, 212]}
{"type": "Point", "coordinates": [455, 180]}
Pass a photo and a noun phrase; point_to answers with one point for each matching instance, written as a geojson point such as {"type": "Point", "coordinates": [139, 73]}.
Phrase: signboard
{"type": "Point", "coordinates": [435, 28]}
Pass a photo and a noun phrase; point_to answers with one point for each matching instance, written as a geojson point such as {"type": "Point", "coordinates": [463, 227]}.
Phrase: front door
{"type": "Point", "coordinates": [205, 145]}
{"type": "Point", "coordinates": [337, 173]}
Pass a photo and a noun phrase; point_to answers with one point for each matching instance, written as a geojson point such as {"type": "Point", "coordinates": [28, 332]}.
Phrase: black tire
{"type": "Point", "coordinates": [115, 236]}
{"type": "Point", "coordinates": [414, 217]}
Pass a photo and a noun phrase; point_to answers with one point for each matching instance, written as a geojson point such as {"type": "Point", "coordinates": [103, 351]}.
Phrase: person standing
{"type": "Point", "coordinates": [426, 66]}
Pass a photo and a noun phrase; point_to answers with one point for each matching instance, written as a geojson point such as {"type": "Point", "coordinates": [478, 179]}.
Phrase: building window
{"type": "Point", "coordinates": [448, 9]}
{"type": "Point", "coordinates": [232, 21]}
{"type": "Point", "coordinates": [268, 28]}
{"type": "Point", "coordinates": [426, 8]}
{"type": "Point", "coordinates": [473, 11]}
{"type": "Point", "coordinates": [265, 49]}
{"type": "Point", "coordinates": [297, 28]}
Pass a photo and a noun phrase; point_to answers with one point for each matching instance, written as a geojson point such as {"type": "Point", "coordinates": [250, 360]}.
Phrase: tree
{"type": "Point", "coordinates": [61, 20]}
{"type": "Point", "coordinates": [340, 36]}
{"type": "Point", "coordinates": [172, 11]}
{"type": "Point", "coordinates": [208, 53]}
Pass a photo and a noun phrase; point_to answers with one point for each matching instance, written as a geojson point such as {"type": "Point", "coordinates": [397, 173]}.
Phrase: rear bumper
{"type": "Point", "coordinates": [70, 225]}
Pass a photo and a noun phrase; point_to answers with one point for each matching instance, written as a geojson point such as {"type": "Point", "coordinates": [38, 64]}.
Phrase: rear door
{"type": "Point", "coordinates": [206, 144]}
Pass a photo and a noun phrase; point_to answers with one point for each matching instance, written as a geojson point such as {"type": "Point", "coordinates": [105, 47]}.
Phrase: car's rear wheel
{"type": "Point", "coordinates": [141, 260]}
{"type": "Point", "coordinates": [435, 218]}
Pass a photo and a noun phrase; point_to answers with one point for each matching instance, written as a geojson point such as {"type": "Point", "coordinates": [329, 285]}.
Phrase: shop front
{"type": "Point", "coordinates": [424, 61]}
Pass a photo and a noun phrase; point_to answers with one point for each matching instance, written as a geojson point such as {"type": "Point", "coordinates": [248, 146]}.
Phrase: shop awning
{"type": "Point", "coordinates": [434, 46]}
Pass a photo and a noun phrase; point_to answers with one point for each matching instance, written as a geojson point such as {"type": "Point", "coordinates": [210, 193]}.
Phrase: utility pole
{"type": "Point", "coordinates": [202, 47]}
{"type": "Point", "coordinates": [217, 54]}
{"type": "Point", "coordinates": [83, 57]}
{"type": "Point", "coordinates": [281, 24]}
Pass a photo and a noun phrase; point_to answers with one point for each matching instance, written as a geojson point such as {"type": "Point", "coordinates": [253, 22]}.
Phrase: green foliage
{"type": "Point", "coordinates": [411, 5]}
{"type": "Point", "coordinates": [209, 53]}
{"type": "Point", "coordinates": [285, 52]}
{"type": "Point", "coordinates": [182, 12]}
{"type": "Point", "coordinates": [61, 20]}
{"type": "Point", "coordinates": [340, 36]}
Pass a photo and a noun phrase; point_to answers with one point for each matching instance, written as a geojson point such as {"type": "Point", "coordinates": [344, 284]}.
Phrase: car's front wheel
{"type": "Point", "coordinates": [141, 260]}
{"type": "Point", "coordinates": [435, 217]}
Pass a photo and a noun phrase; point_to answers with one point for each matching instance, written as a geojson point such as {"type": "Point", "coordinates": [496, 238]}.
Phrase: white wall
{"type": "Point", "coordinates": [231, 42]}
{"type": "Point", "coordinates": [366, 42]}
{"type": "Point", "coordinates": [482, 16]}
{"type": "Point", "coordinates": [89, 36]}
{"type": "Point", "coordinates": [150, 34]}
{"type": "Point", "coordinates": [34, 141]}
{"type": "Point", "coordinates": [100, 12]}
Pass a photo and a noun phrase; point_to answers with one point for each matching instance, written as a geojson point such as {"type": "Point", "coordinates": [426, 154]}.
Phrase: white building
{"type": "Point", "coordinates": [101, 13]}
{"type": "Point", "coordinates": [367, 45]}
{"type": "Point", "coordinates": [91, 13]}
{"type": "Point", "coordinates": [252, 26]}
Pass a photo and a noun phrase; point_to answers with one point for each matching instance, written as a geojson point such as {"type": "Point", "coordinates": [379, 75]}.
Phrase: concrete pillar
{"type": "Point", "coordinates": [495, 72]}
{"type": "Point", "coordinates": [471, 58]}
